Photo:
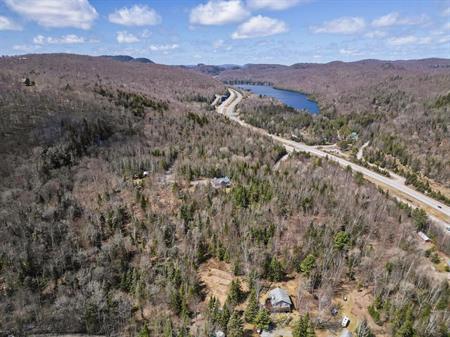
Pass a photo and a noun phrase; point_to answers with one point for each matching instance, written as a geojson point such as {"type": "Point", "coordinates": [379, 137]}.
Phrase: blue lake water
{"type": "Point", "coordinates": [293, 99]}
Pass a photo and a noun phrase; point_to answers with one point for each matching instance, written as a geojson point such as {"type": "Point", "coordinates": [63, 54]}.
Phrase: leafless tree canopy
{"type": "Point", "coordinates": [91, 245]}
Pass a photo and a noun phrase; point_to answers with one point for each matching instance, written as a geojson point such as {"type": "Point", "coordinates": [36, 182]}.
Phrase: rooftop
{"type": "Point", "coordinates": [279, 295]}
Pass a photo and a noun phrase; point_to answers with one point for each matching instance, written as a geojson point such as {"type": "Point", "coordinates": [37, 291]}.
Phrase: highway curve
{"type": "Point", "coordinates": [438, 211]}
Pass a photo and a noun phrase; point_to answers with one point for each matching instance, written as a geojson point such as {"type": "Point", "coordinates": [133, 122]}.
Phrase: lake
{"type": "Point", "coordinates": [293, 99]}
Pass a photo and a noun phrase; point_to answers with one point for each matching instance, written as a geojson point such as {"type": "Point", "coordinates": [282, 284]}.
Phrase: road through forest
{"type": "Point", "coordinates": [438, 211]}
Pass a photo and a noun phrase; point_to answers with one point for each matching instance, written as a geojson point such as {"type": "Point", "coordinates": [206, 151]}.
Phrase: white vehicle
{"type": "Point", "coordinates": [345, 321]}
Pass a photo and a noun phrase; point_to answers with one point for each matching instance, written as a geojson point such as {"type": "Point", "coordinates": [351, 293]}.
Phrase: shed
{"type": "Point", "coordinates": [424, 237]}
{"type": "Point", "coordinates": [279, 300]}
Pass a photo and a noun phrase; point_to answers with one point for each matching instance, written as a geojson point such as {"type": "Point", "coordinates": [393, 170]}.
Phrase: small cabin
{"type": "Point", "coordinates": [221, 182]}
{"type": "Point", "coordinates": [424, 237]}
{"type": "Point", "coordinates": [278, 301]}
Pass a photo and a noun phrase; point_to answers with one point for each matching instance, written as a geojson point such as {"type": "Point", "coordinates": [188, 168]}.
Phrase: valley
{"type": "Point", "coordinates": [132, 206]}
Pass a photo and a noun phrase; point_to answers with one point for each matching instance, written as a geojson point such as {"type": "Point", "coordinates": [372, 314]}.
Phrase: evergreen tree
{"type": "Point", "coordinates": [168, 328]}
{"type": "Point", "coordinates": [304, 328]}
{"type": "Point", "coordinates": [235, 294]}
{"type": "Point", "coordinates": [405, 323]}
{"type": "Point", "coordinates": [144, 332]}
{"type": "Point", "coordinates": [252, 308]}
{"type": "Point", "coordinates": [364, 330]}
{"type": "Point", "coordinates": [406, 329]}
{"type": "Point", "coordinates": [262, 319]}
{"type": "Point", "coordinates": [341, 240]}
{"type": "Point", "coordinates": [213, 310]}
{"type": "Point", "coordinates": [276, 272]}
{"type": "Point", "coordinates": [234, 327]}
{"type": "Point", "coordinates": [308, 264]}
{"type": "Point", "coordinates": [224, 317]}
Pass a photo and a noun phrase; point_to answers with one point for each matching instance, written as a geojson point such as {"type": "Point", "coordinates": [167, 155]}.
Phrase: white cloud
{"type": "Point", "coordinates": [394, 19]}
{"type": "Point", "coordinates": [218, 12]}
{"type": "Point", "coordinates": [135, 16]}
{"type": "Point", "coordinates": [8, 24]}
{"type": "Point", "coordinates": [56, 13]}
{"type": "Point", "coordinates": [25, 48]}
{"type": "Point", "coordinates": [447, 26]}
{"type": "Point", "coordinates": [344, 25]}
{"type": "Point", "coordinates": [444, 39]}
{"type": "Point", "coordinates": [349, 52]}
{"type": "Point", "coordinates": [375, 34]}
{"type": "Point", "coordinates": [272, 4]}
{"type": "Point", "coordinates": [163, 47]}
{"type": "Point", "coordinates": [386, 20]}
{"type": "Point", "coordinates": [146, 34]}
{"type": "Point", "coordinates": [221, 45]}
{"type": "Point", "coordinates": [408, 40]}
{"type": "Point", "coordinates": [65, 39]}
{"type": "Point", "coordinates": [218, 44]}
{"type": "Point", "coordinates": [125, 37]}
{"type": "Point", "coordinates": [446, 12]}
{"type": "Point", "coordinates": [259, 26]}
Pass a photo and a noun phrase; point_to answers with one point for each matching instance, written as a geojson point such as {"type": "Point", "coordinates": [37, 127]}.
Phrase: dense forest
{"type": "Point", "coordinates": [105, 220]}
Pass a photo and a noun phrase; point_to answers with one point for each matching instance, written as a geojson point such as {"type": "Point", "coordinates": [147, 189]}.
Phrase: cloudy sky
{"type": "Point", "coordinates": [229, 31]}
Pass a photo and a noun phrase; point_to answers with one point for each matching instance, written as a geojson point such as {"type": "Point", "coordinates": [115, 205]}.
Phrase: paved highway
{"type": "Point", "coordinates": [439, 211]}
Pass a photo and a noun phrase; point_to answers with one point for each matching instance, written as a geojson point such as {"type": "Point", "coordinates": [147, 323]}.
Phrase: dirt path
{"type": "Point", "coordinates": [360, 153]}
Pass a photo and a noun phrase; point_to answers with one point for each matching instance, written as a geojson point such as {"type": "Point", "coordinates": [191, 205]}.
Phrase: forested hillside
{"type": "Point", "coordinates": [402, 107]}
{"type": "Point", "coordinates": [91, 244]}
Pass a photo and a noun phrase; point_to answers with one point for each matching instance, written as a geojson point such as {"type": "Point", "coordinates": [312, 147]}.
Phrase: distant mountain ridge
{"type": "Point", "coordinates": [209, 69]}
{"type": "Point", "coordinates": [223, 70]}
{"type": "Point", "coordinates": [127, 58]}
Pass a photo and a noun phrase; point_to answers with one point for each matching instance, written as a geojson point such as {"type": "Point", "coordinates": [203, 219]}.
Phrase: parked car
{"type": "Point", "coordinates": [345, 321]}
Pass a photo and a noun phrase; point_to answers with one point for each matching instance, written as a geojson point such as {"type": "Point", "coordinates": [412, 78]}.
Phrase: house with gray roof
{"type": "Point", "coordinates": [279, 300]}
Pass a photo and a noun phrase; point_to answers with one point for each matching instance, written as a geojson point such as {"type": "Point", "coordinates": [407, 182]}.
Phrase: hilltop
{"type": "Point", "coordinates": [127, 58]}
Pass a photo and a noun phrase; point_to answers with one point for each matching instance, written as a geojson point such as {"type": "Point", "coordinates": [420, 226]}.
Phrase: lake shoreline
{"type": "Point", "coordinates": [292, 98]}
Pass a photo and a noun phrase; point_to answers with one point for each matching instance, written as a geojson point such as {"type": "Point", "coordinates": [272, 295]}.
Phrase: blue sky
{"type": "Point", "coordinates": [229, 31]}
